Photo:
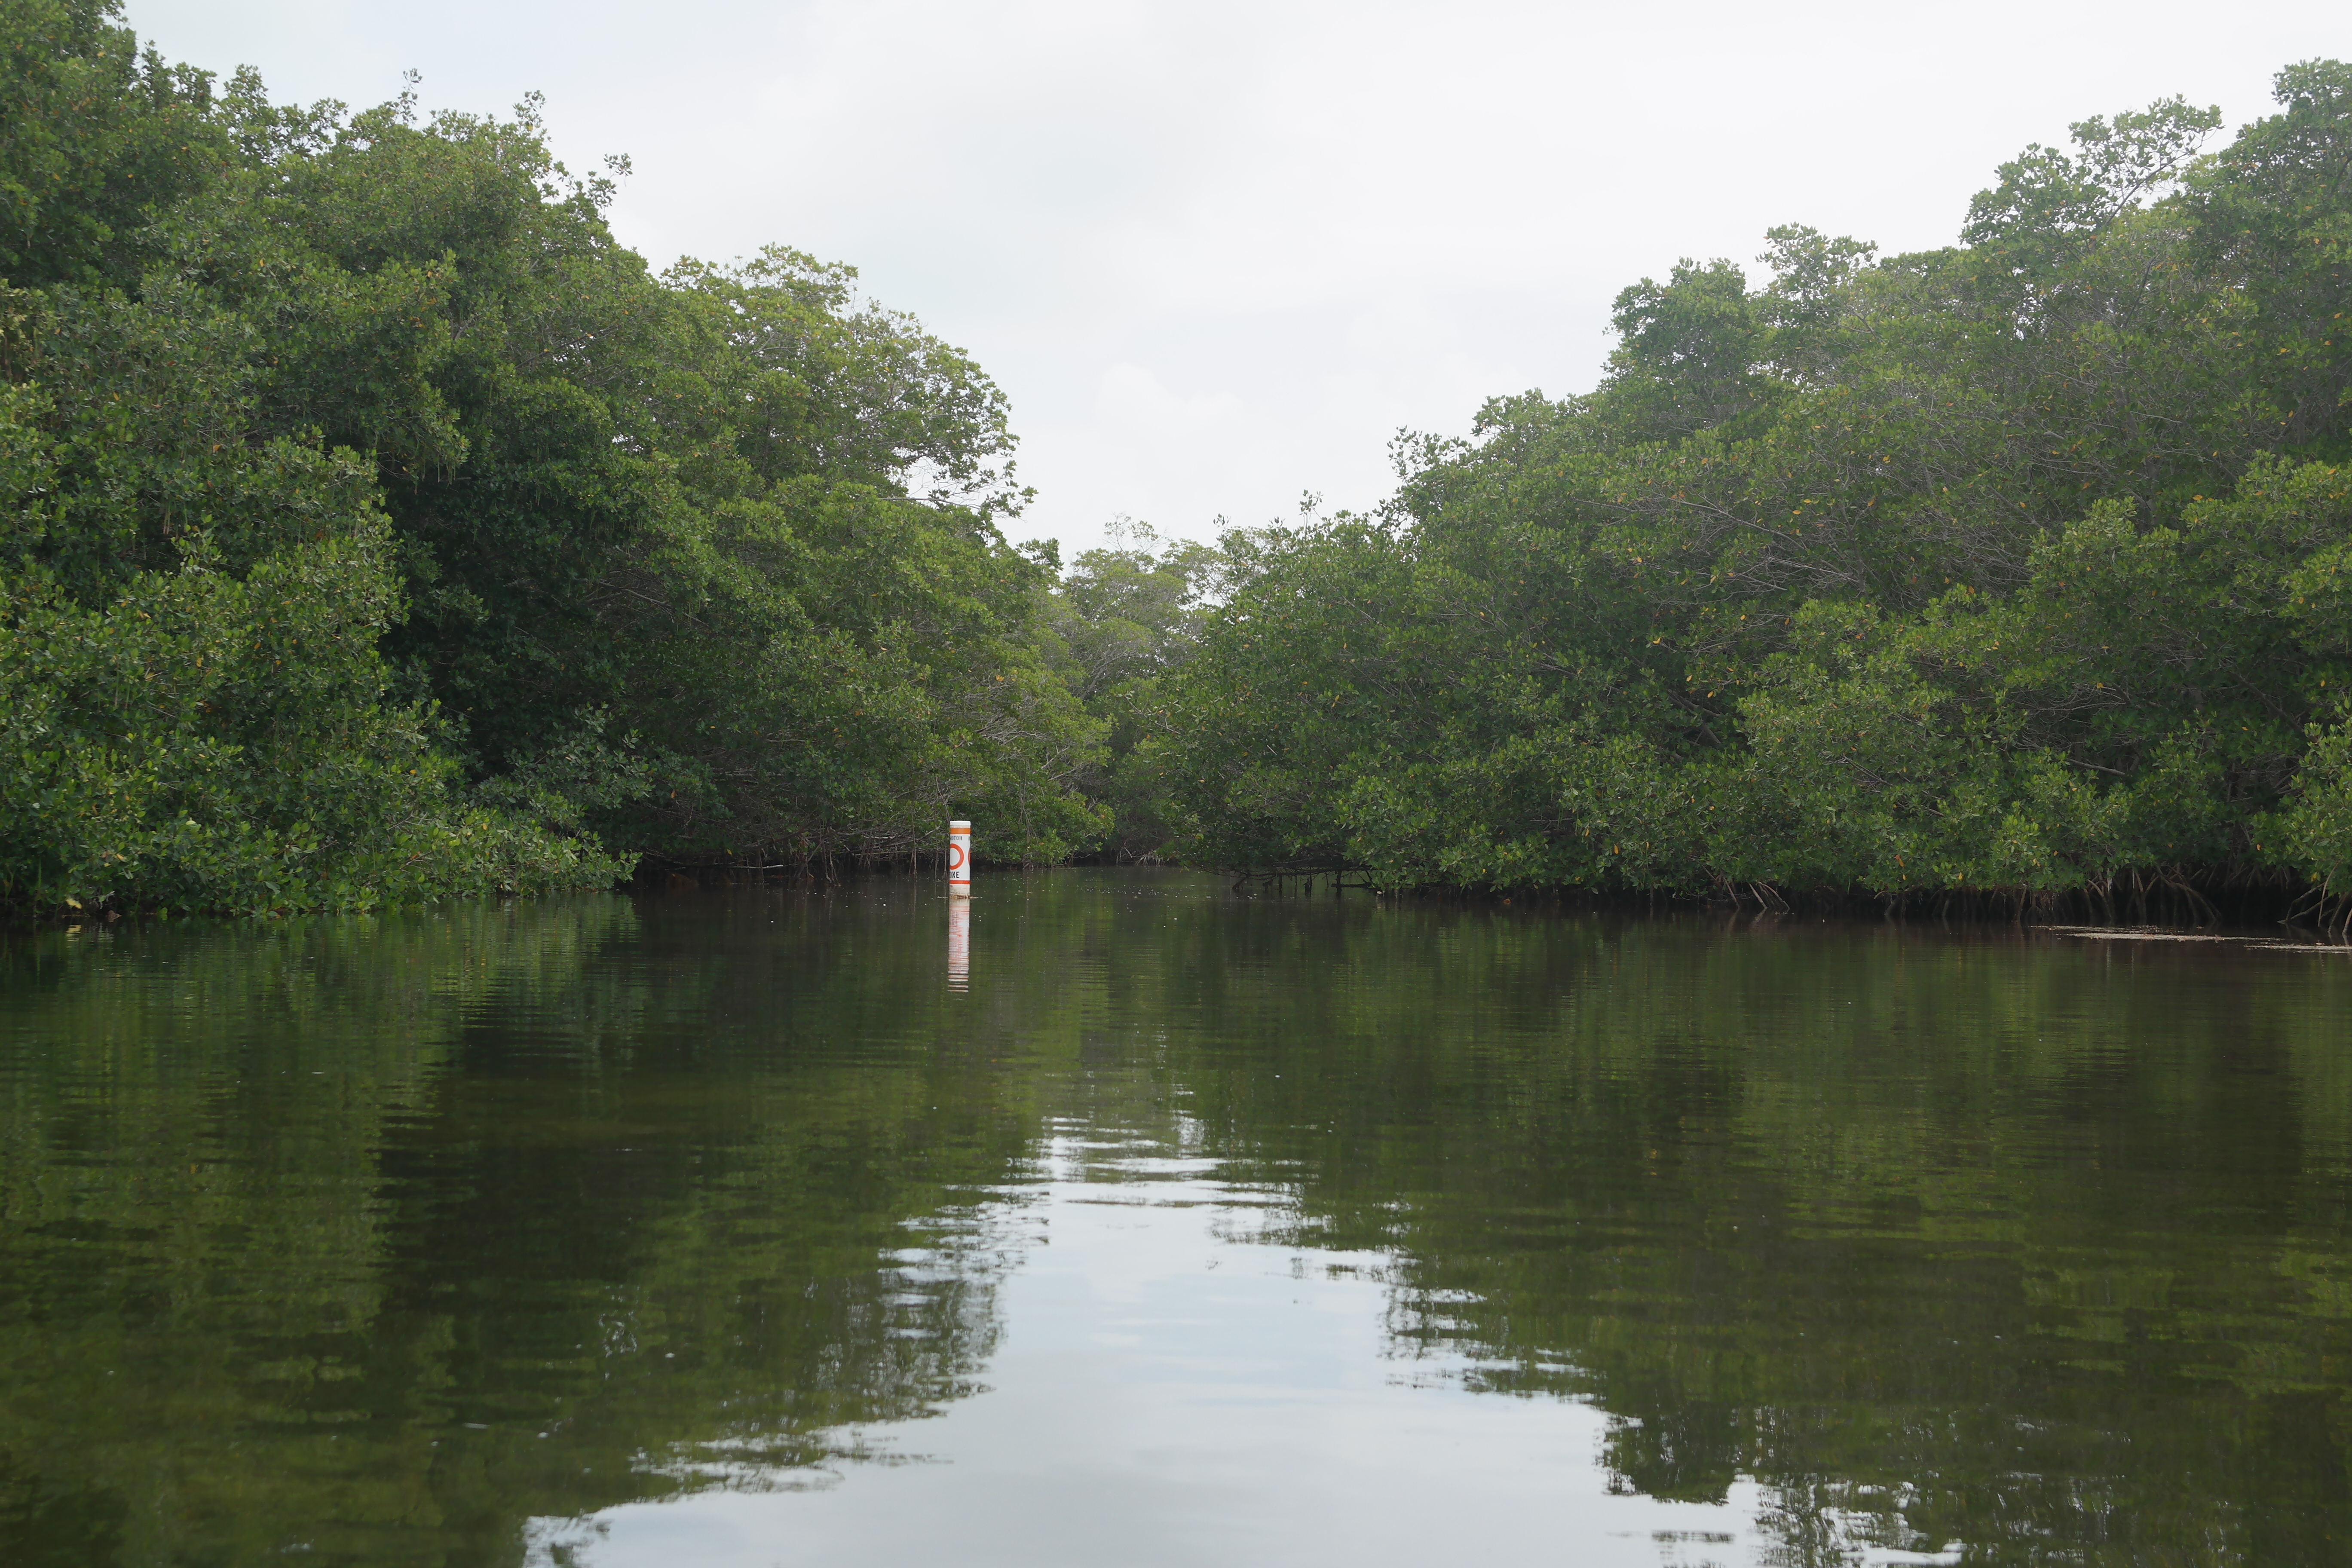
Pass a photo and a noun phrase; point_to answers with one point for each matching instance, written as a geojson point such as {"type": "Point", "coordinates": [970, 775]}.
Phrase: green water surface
{"type": "Point", "coordinates": [1169, 1228]}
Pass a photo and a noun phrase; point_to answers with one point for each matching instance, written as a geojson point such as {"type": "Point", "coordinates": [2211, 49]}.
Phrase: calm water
{"type": "Point", "coordinates": [1144, 1225]}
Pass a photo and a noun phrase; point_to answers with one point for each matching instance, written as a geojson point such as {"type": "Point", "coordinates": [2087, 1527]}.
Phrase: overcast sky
{"type": "Point", "coordinates": [1217, 254]}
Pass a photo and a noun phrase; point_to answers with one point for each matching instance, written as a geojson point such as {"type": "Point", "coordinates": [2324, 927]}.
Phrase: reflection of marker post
{"type": "Point", "coordinates": [960, 945]}
{"type": "Point", "coordinates": [959, 860]}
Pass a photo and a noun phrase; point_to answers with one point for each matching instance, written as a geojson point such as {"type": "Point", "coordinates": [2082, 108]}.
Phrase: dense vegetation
{"type": "Point", "coordinates": [2015, 568]}
{"type": "Point", "coordinates": [377, 529]}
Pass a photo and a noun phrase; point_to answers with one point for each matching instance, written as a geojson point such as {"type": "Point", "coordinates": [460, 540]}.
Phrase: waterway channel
{"type": "Point", "coordinates": [1142, 1223]}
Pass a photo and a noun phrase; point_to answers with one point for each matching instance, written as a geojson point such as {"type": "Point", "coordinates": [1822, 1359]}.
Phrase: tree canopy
{"type": "Point", "coordinates": [2011, 568]}
{"type": "Point", "coordinates": [380, 528]}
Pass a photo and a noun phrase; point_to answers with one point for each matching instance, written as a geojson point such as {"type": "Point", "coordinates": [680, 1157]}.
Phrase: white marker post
{"type": "Point", "coordinates": [959, 860]}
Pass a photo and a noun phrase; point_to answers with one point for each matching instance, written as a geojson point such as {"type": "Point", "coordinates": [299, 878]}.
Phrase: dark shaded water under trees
{"type": "Point", "coordinates": [717, 1228]}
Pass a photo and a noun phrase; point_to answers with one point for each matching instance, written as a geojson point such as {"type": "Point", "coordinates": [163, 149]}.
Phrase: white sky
{"type": "Point", "coordinates": [1216, 254]}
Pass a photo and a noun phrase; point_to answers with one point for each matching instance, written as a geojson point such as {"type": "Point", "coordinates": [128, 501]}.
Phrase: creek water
{"type": "Point", "coordinates": [1143, 1224]}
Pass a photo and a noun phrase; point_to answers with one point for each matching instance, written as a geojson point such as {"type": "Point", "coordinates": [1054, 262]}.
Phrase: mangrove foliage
{"type": "Point", "coordinates": [379, 529]}
{"type": "Point", "coordinates": [2015, 568]}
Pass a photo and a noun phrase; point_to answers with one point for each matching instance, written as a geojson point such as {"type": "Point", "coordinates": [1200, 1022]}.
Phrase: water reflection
{"type": "Point", "coordinates": [958, 944]}
{"type": "Point", "coordinates": [708, 1227]}
{"type": "Point", "coordinates": [1179, 1384]}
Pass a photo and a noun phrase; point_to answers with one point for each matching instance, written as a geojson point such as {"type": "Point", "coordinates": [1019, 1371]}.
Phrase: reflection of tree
{"type": "Point", "coordinates": [383, 1237]}
{"type": "Point", "coordinates": [2035, 1248]}
{"type": "Point", "coordinates": [2031, 1246]}
{"type": "Point", "coordinates": [318, 1229]}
